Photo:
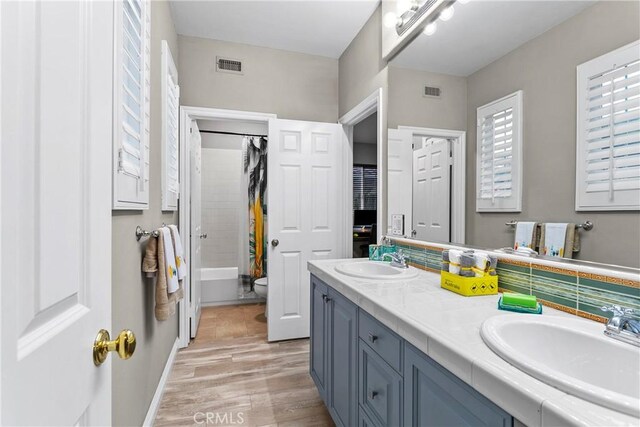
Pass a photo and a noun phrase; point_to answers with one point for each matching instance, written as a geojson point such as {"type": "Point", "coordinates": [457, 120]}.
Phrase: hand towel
{"type": "Point", "coordinates": [482, 263]}
{"type": "Point", "coordinates": [181, 263]}
{"type": "Point", "coordinates": [170, 260]}
{"type": "Point", "coordinates": [552, 239]}
{"type": "Point", "coordinates": [153, 265]}
{"type": "Point", "coordinates": [454, 261]}
{"type": "Point", "coordinates": [525, 235]}
{"type": "Point", "coordinates": [445, 260]}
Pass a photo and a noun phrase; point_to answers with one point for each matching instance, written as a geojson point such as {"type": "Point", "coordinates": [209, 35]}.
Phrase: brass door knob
{"type": "Point", "coordinates": [124, 345]}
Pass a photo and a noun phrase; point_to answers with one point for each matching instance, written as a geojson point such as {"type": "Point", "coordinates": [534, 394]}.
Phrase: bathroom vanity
{"type": "Point", "coordinates": [406, 352]}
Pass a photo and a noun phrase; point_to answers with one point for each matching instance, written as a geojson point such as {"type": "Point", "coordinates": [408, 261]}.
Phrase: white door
{"type": "Point", "coordinates": [55, 210]}
{"type": "Point", "coordinates": [305, 216]}
{"type": "Point", "coordinates": [196, 234]}
{"type": "Point", "coordinates": [431, 199]}
{"type": "Point", "coordinates": [399, 164]}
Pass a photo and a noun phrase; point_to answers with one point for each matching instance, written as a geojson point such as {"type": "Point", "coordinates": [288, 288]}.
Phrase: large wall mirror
{"type": "Point", "coordinates": [516, 124]}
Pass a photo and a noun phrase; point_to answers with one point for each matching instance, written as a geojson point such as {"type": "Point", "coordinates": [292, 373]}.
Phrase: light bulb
{"type": "Point", "coordinates": [447, 13]}
{"type": "Point", "coordinates": [430, 28]}
{"type": "Point", "coordinates": [390, 20]}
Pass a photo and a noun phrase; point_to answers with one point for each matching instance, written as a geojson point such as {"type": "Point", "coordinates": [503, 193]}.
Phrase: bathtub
{"type": "Point", "coordinates": [220, 286]}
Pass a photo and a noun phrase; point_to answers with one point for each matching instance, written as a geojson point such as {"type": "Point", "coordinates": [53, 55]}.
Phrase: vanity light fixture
{"type": "Point", "coordinates": [390, 20]}
{"type": "Point", "coordinates": [446, 14]}
{"type": "Point", "coordinates": [418, 10]}
{"type": "Point", "coordinates": [431, 28]}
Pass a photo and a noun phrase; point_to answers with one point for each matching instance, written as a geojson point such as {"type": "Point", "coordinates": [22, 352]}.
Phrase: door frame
{"type": "Point", "coordinates": [371, 104]}
{"type": "Point", "coordinates": [188, 113]}
{"type": "Point", "coordinates": [458, 175]}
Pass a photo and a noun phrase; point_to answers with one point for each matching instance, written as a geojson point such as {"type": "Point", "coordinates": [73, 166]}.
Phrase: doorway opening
{"type": "Point", "coordinates": [365, 185]}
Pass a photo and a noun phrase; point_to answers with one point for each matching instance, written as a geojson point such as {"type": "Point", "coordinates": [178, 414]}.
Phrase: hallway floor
{"type": "Point", "coordinates": [233, 376]}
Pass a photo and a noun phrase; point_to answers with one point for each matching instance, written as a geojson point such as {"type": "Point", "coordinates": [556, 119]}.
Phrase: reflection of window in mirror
{"type": "Point", "coordinates": [608, 137]}
{"type": "Point", "coordinates": [499, 155]}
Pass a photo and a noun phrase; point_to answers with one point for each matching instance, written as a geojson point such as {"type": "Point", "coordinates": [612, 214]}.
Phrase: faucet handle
{"type": "Point", "coordinates": [617, 310]}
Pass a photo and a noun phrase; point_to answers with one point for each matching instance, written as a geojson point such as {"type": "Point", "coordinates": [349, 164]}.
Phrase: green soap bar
{"type": "Point", "coordinates": [520, 300]}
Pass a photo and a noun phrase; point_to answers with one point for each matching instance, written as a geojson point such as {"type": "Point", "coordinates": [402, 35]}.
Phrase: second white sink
{"type": "Point", "coordinates": [572, 355]}
{"type": "Point", "coordinates": [376, 270]}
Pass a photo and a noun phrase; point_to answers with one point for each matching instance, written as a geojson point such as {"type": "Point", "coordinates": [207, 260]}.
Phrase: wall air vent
{"type": "Point", "coordinates": [228, 65]}
{"type": "Point", "coordinates": [431, 92]}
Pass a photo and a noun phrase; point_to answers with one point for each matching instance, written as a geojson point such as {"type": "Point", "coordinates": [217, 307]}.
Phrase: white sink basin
{"type": "Point", "coordinates": [376, 270]}
{"type": "Point", "coordinates": [572, 355]}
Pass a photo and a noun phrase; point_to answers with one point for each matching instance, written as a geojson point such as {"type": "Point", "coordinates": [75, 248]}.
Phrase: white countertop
{"type": "Point", "coordinates": [446, 327]}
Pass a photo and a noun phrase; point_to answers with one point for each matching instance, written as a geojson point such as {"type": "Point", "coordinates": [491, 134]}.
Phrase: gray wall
{"type": "Point", "coordinates": [361, 72]}
{"type": "Point", "coordinates": [291, 85]}
{"type": "Point", "coordinates": [135, 380]}
{"type": "Point", "coordinates": [407, 106]}
{"type": "Point", "coordinates": [545, 69]}
{"type": "Point", "coordinates": [365, 154]}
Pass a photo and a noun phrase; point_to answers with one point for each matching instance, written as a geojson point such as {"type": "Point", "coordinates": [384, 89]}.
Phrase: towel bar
{"type": "Point", "coordinates": [586, 226]}
{"type": "Point", "coordinates": [140, 232]}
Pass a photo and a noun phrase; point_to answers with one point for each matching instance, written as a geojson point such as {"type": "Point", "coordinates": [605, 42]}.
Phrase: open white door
{"type": "Point", "coordinates": [55, 209]}
{"type": "Point", "coordinates": [305, 216]}
{"type": "Point", "coordinates": [196, 234]}
{"type": "Point", "coordinates": [431, 198]}
{"type": "Point", "coordinates": [399, 161]}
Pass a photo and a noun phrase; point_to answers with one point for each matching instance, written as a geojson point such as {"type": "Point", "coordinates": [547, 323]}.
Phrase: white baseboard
{"type": "Point", "coordinates": [157, 396]}
{"type": "Point", "coordinates": [232, 302]}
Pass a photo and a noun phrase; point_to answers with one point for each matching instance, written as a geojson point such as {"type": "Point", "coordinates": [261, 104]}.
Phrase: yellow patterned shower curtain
{"type": "Point", "coordinates": [255, 166]}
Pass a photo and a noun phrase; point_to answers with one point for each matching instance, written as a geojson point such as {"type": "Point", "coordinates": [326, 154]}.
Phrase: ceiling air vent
{"type": "Point", "coordinates": [228, 65]}
{"type": "Point", "coordinates": [431, 92]}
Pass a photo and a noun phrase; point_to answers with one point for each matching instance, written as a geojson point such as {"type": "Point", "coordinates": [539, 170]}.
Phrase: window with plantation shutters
{"type": "Point", "coordinates": [365, 190]}
{"type": "Point", "coordinates": [132, 90]}
{"type": "Point", "coordinates": [170, 119]}
{"type": "Point", "coordinates": [499, 155]}
{"type": "Point", "coordinates": [608, 131]}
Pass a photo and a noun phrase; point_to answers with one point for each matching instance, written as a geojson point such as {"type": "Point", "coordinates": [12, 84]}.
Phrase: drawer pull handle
{"type": "Point", "coordinates": [372, 394]}
{"type": "Point", "coordinates": [325, 298]}
{"type": "Point", "coordinates": [372, 337]}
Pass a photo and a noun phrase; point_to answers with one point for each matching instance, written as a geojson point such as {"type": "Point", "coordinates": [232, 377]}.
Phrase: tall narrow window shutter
{"type": "Point", "coordinates": [133, 90]}
{"type": "Point", "coordinates": [499, 155]}
{"type": "Point", "coordinates": [170, 120]}
{"type": "Point", "coordinates": [608, 145]}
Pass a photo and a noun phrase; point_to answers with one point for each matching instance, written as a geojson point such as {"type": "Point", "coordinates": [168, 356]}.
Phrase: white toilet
{"type": "Point", "coordinates": [260, 287]}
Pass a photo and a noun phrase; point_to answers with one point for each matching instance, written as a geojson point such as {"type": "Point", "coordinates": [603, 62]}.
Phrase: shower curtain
{"type": "Point", "coordinates": [253, 224]}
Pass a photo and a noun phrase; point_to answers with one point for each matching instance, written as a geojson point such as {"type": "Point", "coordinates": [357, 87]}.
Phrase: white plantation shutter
{"type": "Point", "coordinates": [170, 119]}
{"type": "Point", "coordinates": [132, 88]}
{"type": "Point", "coordinates": [608, 134]}
{"type": "Point", "coordinates": [499, 155]}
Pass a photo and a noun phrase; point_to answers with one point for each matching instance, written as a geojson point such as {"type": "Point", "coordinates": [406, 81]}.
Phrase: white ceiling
{"type": "Point", "coordinates": [317, 27]}
{"type": "Point", "coordinates": [482, 31]}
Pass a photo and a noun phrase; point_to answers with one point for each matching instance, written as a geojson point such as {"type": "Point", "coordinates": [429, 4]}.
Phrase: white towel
{"type": "Point", "coordinates": [170, 261]}
{"type": "Point", "coordinates": [554, 238]}
{"type": "Point", "coordinates": [181, 263]}
{"type": "Point", "coordinates": [481, 263]}
{"type": "Point", "coordinates": [454, 261]}
{"type": "Point", "coordinates": [524, 235]}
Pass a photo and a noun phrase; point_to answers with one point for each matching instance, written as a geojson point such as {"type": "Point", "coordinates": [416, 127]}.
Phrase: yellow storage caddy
{"type": "Point", "coordinates": [469, 286]}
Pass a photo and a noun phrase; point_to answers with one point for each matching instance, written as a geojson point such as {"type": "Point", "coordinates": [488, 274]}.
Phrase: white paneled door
{"type": "Point", "coordinates": [55, 210]}
{"type": "Point", "coordinates": [305, 216]}
{"type": "Point", "coordinates": [195, 153]}
{"type": "Point", "coordinates": [431, 191]}
{"type": "Point", "coordinates": [400, 147]}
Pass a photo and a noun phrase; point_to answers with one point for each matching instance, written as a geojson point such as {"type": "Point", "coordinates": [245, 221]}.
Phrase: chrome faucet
{"type": "Point", "coordinates": [398, 259]}
{"type": "Point", "coordinates": [622, 326]}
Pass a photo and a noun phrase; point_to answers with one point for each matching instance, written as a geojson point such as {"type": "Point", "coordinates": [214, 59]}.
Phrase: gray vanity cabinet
{"type": "Point", "coordinates": [435, 397]}
{"type": "Point", "coordinates": [334, 357]}
{"type": "Point", "coordinates": [368, 375]}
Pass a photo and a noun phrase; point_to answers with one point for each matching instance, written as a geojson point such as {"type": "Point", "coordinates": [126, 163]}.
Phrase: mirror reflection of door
{"type": "Point", "coordinates": [432, 190]}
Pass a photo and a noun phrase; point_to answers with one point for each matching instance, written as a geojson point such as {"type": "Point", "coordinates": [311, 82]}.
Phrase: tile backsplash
{"type": "Point", "coordinates": [575, 289]}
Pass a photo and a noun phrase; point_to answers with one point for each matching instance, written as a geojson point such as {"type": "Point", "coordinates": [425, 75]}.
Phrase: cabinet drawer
{"type": "Point", "coordinates": [380, 391]}
{"type": "Point", "coordinates": [364, 420]}
{"type": "Point", "coordinates": [383, 340]}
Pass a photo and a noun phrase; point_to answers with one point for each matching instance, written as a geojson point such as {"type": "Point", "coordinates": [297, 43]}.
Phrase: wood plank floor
{"type": "Point", "coordinates": [231, 374]}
